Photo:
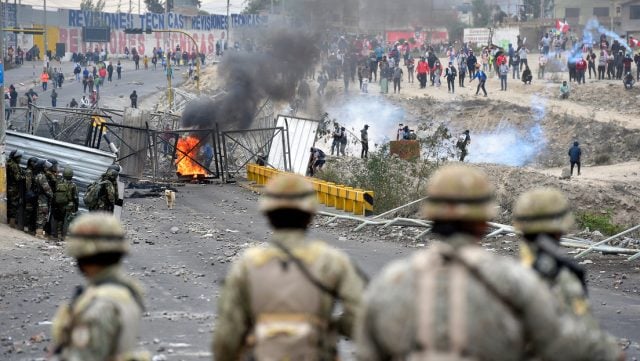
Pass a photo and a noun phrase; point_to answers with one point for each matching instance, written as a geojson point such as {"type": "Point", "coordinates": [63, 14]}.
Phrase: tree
{"type": "Point", "coordinates": [481, 13]}
{"type": "Point", "coordinates": [257, 6]}
{"type": "Point", "coordinates": [157, 6]}
{"type": "Point", "coordinates": [89, 5]}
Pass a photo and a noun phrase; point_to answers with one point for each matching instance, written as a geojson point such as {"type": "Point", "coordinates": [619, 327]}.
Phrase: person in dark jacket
{"type": "Point", "coordinates": [574, 156]}
{"type": "Point", "coordinates": [471, 64]}
{"type": "Point", "coordinates": [134, 99]}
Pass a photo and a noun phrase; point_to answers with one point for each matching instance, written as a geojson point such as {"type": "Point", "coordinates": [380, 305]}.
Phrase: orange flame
{"type": "Point", "coordinates": [185, 165]}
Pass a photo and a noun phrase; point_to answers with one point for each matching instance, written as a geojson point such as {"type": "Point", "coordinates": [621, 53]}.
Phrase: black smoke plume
{"type": "Point", "coordinates": [251, 77]}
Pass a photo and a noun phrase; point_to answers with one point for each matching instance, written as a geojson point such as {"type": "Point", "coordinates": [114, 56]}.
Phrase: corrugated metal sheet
{"type": "Point", "coordinates": [88, 164]}
{"type": "Point", "coordinates": [302, 136]}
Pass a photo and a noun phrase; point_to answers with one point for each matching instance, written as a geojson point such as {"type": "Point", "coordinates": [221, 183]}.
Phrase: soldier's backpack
{"type": "Point", "coordinates": [62, 195]}
{"type": "Point", "coordinates": [92, 195]}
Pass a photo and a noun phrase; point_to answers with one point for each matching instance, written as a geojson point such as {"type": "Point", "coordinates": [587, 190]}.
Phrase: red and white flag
{"type": "Point", "coordinates": [633, 42]}
{"type": "Point", "coordinates": [562, 26]}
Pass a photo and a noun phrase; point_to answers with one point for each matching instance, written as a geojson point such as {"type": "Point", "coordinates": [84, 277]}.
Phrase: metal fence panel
{"type": "Point", "coordinates": [301, 133]}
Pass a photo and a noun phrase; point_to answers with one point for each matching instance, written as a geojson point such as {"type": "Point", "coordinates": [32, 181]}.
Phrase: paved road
{"type": "Point", "coordinates": [182, 272]}
{"type": "Point", "coordinates": [113, 94]}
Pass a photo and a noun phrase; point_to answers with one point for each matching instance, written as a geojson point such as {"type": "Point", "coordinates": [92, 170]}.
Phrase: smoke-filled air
{"type": "Point", "coordinates": [252, 77]}
{"type": "Point", "coordinates": [510, 145]}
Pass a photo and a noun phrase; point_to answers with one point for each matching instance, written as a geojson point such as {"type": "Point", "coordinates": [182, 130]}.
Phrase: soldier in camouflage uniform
{"type": "Point", "coordinates": [278, 301]}
{"type": "Point", "coordinates": [31, 196]}
{"type": "Point", "coordinates": [455, 301]}
{"type": "Point", "coordinates": [65, 203]}
{"type": "Point", "coordinates": [101, 322]}
{"type": "Point", "coordinates": [15, 187]}
{"type": "Point", "coordinates": [52, 177]}
{"type": "Point", "coordinates": [44, 194]}
{"type": "Point", "coordinates": [107, 195]}
{"type": "Point", "coordinates": [542, 216]}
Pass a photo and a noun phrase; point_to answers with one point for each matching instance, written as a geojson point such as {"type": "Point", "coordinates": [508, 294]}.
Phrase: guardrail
{"type": "Point", "coordinates": [348, 199]}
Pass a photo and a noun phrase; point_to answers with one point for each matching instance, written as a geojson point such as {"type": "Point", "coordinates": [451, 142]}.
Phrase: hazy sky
{"type": "Point", "coordinates": [212, 6]}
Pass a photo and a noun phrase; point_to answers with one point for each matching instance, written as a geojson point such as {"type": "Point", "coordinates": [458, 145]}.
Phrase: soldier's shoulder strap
{"type": "Point", "coordinates": [449, 254]}
{"type": "Point", "coordinates": [305, 271]}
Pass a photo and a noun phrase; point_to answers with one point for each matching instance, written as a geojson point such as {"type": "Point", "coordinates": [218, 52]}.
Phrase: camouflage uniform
{"type": "Point", "coordinates": [63, 213]}
{"type": "Point", "coordinates": [101, 323]}
{"type": "Point", "coordinates": [31, 198]}
{"type": "Point", "coordinates": [455, 301]}
{"type": "Point", "coordinates": [52, 178]}
{"type": "Point", "coordinates": [270, 310]}
{"type": "Point", "coordinates": [15, 179]}
{"type": "Point", "coordinates": [107, 195]}
{"type": "Point", "coordinates": [44, 199]}
{"type": "Point", "coordinates": [543, 216]}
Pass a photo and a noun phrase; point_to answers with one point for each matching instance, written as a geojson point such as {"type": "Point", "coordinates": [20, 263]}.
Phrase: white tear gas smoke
{"type": "Point", "coordinates": [509, 145]}
{"type": "Point", "coordinates": [591, 32]}
{"type": "Point", "coordinates": [252, 77]}
{"type": "Point", "coordinates": [376, 111]}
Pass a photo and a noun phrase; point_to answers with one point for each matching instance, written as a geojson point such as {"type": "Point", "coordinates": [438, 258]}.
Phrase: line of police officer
{"type": "Point", "coordinates": [42, 202]}
{"type": "Point", "coordinates": [453, 301]}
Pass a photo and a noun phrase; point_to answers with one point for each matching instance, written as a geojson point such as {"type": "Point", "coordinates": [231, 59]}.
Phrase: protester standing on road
{"type": "Point", "coordinates": [397, 78]}
{"type": "Point", "coordinates": [278, 301]}
{"type": "Point", "coordinates": [503, 71]}
{"type": "Point", "coordinates": [54, 98]}
{"type": "Point", "coordinates": [110, 72]}
{"type": "Point", "coordinates": [44, 78]}
{"type": "Point", "coordinates": [364, 140]}
{"type": "Point", "coordinates": [575, 153]}
{"type": "Point", "coordinates": [134, 99]}
{"type": "Point", "coordinates": [456, 301]}
{"type": "Point", "coordinates": [450, 74]}
{"type": "Point", "coordinates": [119, 70]}
{"type": "Point", "coordinates": [102, 320]}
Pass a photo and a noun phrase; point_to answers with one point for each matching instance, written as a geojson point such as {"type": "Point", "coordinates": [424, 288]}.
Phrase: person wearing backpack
{"type": "Point", "coordinates": [65, 202]}
{"type": "Point", "coordinates": [343, 140]}
{"type": "Point", "coordinates": [100, 195]}
{"type": "Point", "coordinates": [278, 301]}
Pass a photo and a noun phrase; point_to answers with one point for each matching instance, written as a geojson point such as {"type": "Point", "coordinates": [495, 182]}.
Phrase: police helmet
{"type": "Point", "coordinates": [288, 191]}
{"type": "Point", "coordinates": [459, 193]}
{"type": "Point", "coordinates": [95, 233]}
{"type": "Point", "coordinates": [543, 210]}
{"type": "Point", "coordinates": [15, 154]}
{"type": "Point", "coordinates": [68, 173]}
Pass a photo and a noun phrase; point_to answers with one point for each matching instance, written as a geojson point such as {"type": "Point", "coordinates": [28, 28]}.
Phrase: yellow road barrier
{"type": "Point", "coordinates": [356, 201]}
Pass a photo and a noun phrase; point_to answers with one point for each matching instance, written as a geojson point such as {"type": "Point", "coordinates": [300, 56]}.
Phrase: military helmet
{"type": "Point", "coordinates": [68, 173]}
{"type": "Point", "coordinates": [112, 174]}
{"type": "Point", "coordinates": [543, 210]}
{"type": "Point", "coordinates": [32, 161]}
{"type": "Point", "coordinates": [95, 233]}
{"type": "Point", "coordinates": [15, 154]}
{"type": "Point", "coordinates": [288, 191]}
{"type": "Point", "coordinates": [459, 193]}
{"type": "Point", "coordinates": [47, 165]}
{"type": "Point", "coordinates": [54, 163]}
{"type": "Point", "coordinates": [115, 167]}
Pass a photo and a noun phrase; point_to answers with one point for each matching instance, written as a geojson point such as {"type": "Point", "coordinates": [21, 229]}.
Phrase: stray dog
{"type": "Point", "coordinates": [170, 197]}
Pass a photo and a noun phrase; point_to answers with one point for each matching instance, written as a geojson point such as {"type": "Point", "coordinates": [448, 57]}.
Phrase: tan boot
{"type": "Point", "coordinates": [12, 223]}
{"type": "Point", "coordinates": [40, 233]}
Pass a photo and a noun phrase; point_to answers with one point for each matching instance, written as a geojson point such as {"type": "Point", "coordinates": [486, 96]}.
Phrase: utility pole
{"type": "Point", "coordinates": [228, 27]}
{"type": "Point", "coordinates": [3, 136]}
{"type": "Point", "coordinates": [45, 29]}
